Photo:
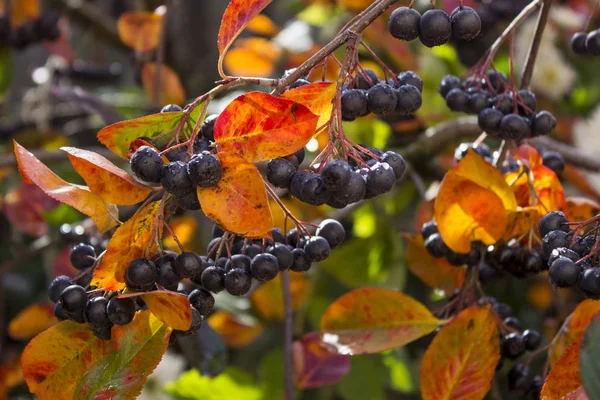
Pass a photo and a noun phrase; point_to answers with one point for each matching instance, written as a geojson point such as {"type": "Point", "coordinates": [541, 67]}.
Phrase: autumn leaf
{"type": "Point", "coordinates": [461, 361]}
{"type": "Point", "coordinates": [435, 272]}
{"type": "Point", "coordinates": [370, 320]}
{"type": "Point", "coordinates": [140, 30]}
{"type": "Point", "coordinates": [356, 5]}
{"type": "Point", "coordinates": [237, 15]}
{"type": "Point", "coordinates": [549, 190]}
{"type": "Point", "coordinates": [318, 97]}
{"type": "Point", "coordinates": [263, 25]}
{"type": "Point", "coordinates": [317, 364]}
{"type": "Point", "coordinates": [105, 179]}
{"type": "Point", "coordinates": [260, 126]}
{"type": "Point", "coordinates": [589, 357]}
{"type": "Point", "coordinates": [236, 331]}
{"type": "Point", "coordinates": [242, 189]}
{"type": "Point", "coordinates": [129, 241]}
{"type": "Point", "coordinates": [10, 375]}
{"type": "Point", "coordinates": [185, 228]}
{"type": "Point", "coordinates": [521, 221]}
{"type": "Point", "coordinates": [31, 321]}
{"type": "Point", "coordinates": [472, 204]}
{"type": "Point", "coordinates": [267, 299]}
{"type": "Point", "coordinates": [172, 308]}
{"type": "Point", "coordinates": [34, 171]}
{"type": "Point", "coordinates": [22, 10]}
{"type": "Point", "coordinates": [580, 209]}
{"type": "Point", "coordinates": [24, 207]}
{"type": "Point", "coordinates": [574, 329]}
{"type": "Point", "coordinates": [170, 90]}
{"type": "Point", "coordinates": [252, 57]}
{"type": "Point", "coordinates": [529, 156]}
{"type": "Point", "coordinates": [564, 378]}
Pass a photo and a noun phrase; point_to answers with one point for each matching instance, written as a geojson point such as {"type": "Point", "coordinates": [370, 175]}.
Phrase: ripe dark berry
{"type": "Point", "coordinates": [448, 83]}
{"type": "Point", "coordinates": [277, 235]}
{"type": "Point", "coordinates": [536, 387]}
{"type": "Point", "coordinates": [336, 175]}
{"type": "Point", "coordinates": [503, 102]}
{"type": "Point", "coordinates": [314, 191]}
{"type": "Point", "coordinates": [189, 200]}
{"type": "Point", "coordinates": [489, 120]}
{"type": "Point", "coordinates": [301, 262]}
{"type": "Point", "coordinates": [519, 380]}
{"type": "Point", "coordinates": [141, 274]}
{"type": "Point", "coordinates": [317, 249]}
{"type": "Point", "coordinates": [404, 23]}
{"type": "Point", "coordinates": [175, 178]}
{"type": "Point", "coordinates": [252, 250]}
{"type": "Point", "coordinates": [201, 144]}
{"type": "Point", "coordinates": [222, 262]}
{"type": "Point", "coordinates": [396, 161]}
{"type": "Point", "coordinates": [592, 43]}
{"type": "Point", "coordinates": [552, 240]}
{"type": "Point", "coordinates": [171, 108]}
{"type": "Point", "coordinates": [589, 283]}
{"type": "Point", "coordinates": [195, 325]}
{"type": "Point", "coordinates": [554, 161]}
{"type": "Point", "coordinates": [207, 130]}
{"type": "Point", "coordinates": [95, 312]}
{"type": "Point", "coordinates": [300, 154]}
{"type": "Point", "coordinates": [204, 169]}
{"type": "Point", "coordinates": [435, 246]}
{"type": "Point", "coordinates": [477, 102]}
{"type": "Point", "coordinates": [351, 193]}
{"type": "Point", "coordinates": [56, 287]}
{"type": "Point", "coordinates": [297, 183]}
{"type": "Point", "coordinates": [82, 256]}
{"type": "Point", "coordinates": [513, 323]}
{"type": "Point", "coordinates": [73, 298]}
{"type": "Point", "coordinates": [435, 27]}
{"type": "Point", "coordinates": [564, 272]}
{"type": "Point", "coordinates": [515, 127]}
{"type": "Point", "coordinates": [532, 339]}
{"type": "Point", "coordinates": [284, 255]}
{"type": "Point", "coordinates": [238, 261]}
{"type": "Point", "coordinates": [60, 312]}
{"type": "Point", "coordinates": [563, 252]}
{"type": "Point", "coordinates": [189, 265]}
{"type": "Point", "coordinates": [409, 100]}
{"type": "Point", "coordinates": [380, 179]}
{"type": "Point", "coordinates": [213, 248]}
{"type": "Point", "coordinates": [533, 263]}
{"type": "Point", "coordinates": [299, 83]}
{"type": "Point", "coordinates": [410, 78]}
{"type": "Point", "coordinates": [280, 172]}
{"type": "Point", "coordinates": [264, 267]}
{"type": "Point", "coordinates": [543, 123]}
{"type": "Point", "coordinates": [361, 82]}
{"type": "Point", "coordinates": [202, 301]}
{"type": "Point", "coordinates": [381, 99]}
{"type": "Point", "coordinates": [147, 164]}
{"type": "Point", "coordinates": [354, 104]}
{"type": "Point", "coordinates": [213, 279]}
{"type": "Point", "coordinates": [512, 346]}
{"type": "Point", "coordinates": [551, 221]}
{"type": "Point", "coordinates": [529, 100]}
{"type": "Point", "coordinates": [578, 43]}
{"type": "Point", "coordinates": [121, 310]}
{"type": "Point", "coordinates": [457, 100]}
{"type": "Point", "coordinates": [238, 281]}
{"type": "Point", "coordinates": [466, 24]}
{"type": "Point", "coordinates": [429, 228]}
{"type": "Point", "coordinates": [167, 273]}
{"type": "Point", "coordinates": [332, 231]}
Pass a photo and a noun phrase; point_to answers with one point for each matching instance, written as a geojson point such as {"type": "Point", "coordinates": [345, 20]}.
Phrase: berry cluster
{"type": "Point", "coordinates": [502, 111]}
{"type": "Point", "coordinates": [435, 27]}
{"type": "Point", "coordinates": [367, 94]}
{"type": "Point", "coordinates": [586, 43]}
{"type": "Point", "coordinates": [30, 32]}
{"type": "Point", "coordinates": [338, 183]}
{"type": "Point", "coordinates": [435, 246]}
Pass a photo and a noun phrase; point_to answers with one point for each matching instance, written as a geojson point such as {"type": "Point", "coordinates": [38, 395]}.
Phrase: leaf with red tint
{"type": "Point", "coordinates": [140, 30]}
{"type": "Point", "coordinates": [105, 179]}
{"type": "Point", "coordinates": [119, 137]}
{"type": "Point", "coordinates": [435, 272]}
{"type": "Point", "coordinates": [34, 171]}
{"type": "Point", "coordinates": [267, 299]}
{"type": "Point", "coordinates": [371, 320]}
{"type": "Point", "coordinates": [10, 375]}
{"type": "Point", "coordinates": [24, 206]}
{"type": "Point", "coordinates": [242, 189]}
{"type": "Point", "coordinates": [261, 127]}
{"type": "Point", "coordinates": [252, 57]}
{"type": "Point", "coordinates": [521, 221]}
{"type": "Point", "coordinates": [172, 308]}
{"type": "Point", "coordinates": [237, 15]}
{"type": "Point", "coordinates": [580, 209]}
{"type": "Point", "coordinates": [461, 361]}
{"type": "Point", "coordinates": [31, 321]}
{"type": "Point", "coordinates": [129, 241]}
{"type": "Point", "coordinates": [550, 192]}
{"type": "Point", "coordinates": [237, 331]}
{"type": "Point", "coordinates": [170, 90]}
{"type": "Point", "coordinates": [574, 331]}
{"type": "Point", "coordinates": [22, 10]}
{"type": "Point", "coordinates": [564, 378]}
{"type": "Point", "coordinates": [529, 156]}
{"type": "Point", "coordinates": [318, 97]}
{"type": "Point", "coordinates": [317, 364]}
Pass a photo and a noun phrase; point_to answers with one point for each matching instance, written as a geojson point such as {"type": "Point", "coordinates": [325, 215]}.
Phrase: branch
{"type": "Point", "coordinates": [288, 328]}
{"type": "Point", "coordinates": [573, 156]}
{"type": "Point", "coordinates": [535, 43]}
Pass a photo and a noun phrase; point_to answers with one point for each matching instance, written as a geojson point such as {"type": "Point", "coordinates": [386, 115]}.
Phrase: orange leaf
{"type": "Point", "coordinates": [435, 272]}
{"type": "Point", "coordinates": [461, 360]}
{"type": "Point", "coordinates": [172, 308]}
{"type": "Point", "coordinates": [356, 5]}
{"type": "Point", "coordinates": [105, 179]}
{"type": "Point", "coordinates": [236, 331]}
{"type": "Point", "coordinates": [521, 221]}
{"type": "Point", "coordinates": [33, 170]}
{"type": "Point", "coordinates": [267, 299]}
{"type": "Point", "coordinates": [31, 321]}
{"type": "Point", "coordinates": [472, 204]}
{"type": "Point", "coordinates": [22, 10]}
{"type": "Point", "coordinates": [575, 330]}
{"type": "Point", "coordinates": [170, 90]}
{"type": "Point", "coordinates": [371, 320]}
{"type": "Point", "coordinates": [260, 126]}
{"type": "Point", "coordinates": [263, 25]}
{"type": "Point", "coordinates": [550, 193]}
{"type": "Point", "coordinates": [140, 30]}
{"type": "Point", "coordinates": [242, 61]}
{"type": "Point", "coordinates": [237, 15]}
{"type": "Point", "coordinates": [242, 189]}
{"type": "Point", "coordinates": [581, 208]}
{"type": "Point", "coordinates": [564, 378]}
{"type": "Point", "coordinates": [185, 229]}
{"type": "Point", "coordinates": [129, 241]}
{"type": "Point", "coordinates": [318, 97]}
{"type": "Point", "coordinates": [10, 375]}
{"type": "Point", "coordinates": [529, 156]}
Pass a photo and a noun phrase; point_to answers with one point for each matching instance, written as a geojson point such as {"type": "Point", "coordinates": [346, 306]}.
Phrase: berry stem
{"type": "Point", "coordinates": [591, 16]}
{"type": "Point", "coordinates": [285, 210]}
{"type": "Point", "coordinates": [379, 61]}
{"type": "Point", "coordinates": [173, 235]}
{"type": "Point", "coordinates": [288, 330]}
{"type": "Point", "coordinates": [535, 43]}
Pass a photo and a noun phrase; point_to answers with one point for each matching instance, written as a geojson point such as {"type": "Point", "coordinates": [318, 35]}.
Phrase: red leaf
{"type": "Point", "coordinates": [140, 30]}
{"type": "Point", "coordinates": [261, 127]}
{"type": "Point", "coordinates": [564, 378]}
{"type": "Point", "coordinates": [24, 206]}
{"type": "Point", "coordinates": [317, 364]}
{"type": "Point", "coordinates": [318, 97]}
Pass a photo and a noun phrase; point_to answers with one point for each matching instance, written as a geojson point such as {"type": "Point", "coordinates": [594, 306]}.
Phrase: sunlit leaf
{"type": "Point", "coordinates": [574, 329]}
{"type": "Point", "coordinates": [172, 308]}
{"type": "Point", "coordinates": [529, 156]}
{"type": "Point", "coordinates": [589, 359]}
{"type": "Point", "coordinates": [129, 241]}
{"type": "Point", "coordinates": [267, 299]}
{"type": "Point", "coordinates": [34, 171]}
{"type": "Point", "coordinates": [232, 383]}
{"type": "Point", "coordinates": [580, 209]}
{"type": "Point", "coordinates": [318, 97]}
{"type": "Point", "coordinates": [185, 228]}
{"type": "Point", "coordinates": [242, 189]}
{"type": "Point", "coordinates": [236, 331]}
{"type": "Point", "coordinates": [105, 179]}
{"type": "Point", "coordinates": [564, 378]}
{"type": "Point", "coordinates": [31, 321]}
{"type": "Point", "coordinates": [521, 221]}
{"type": "Point", "coordinates": [317, 364]}
{"type": "Point", "coordinates": [262, 25]}
{"type": "Point", "coordinates": [170, 90]}
{"type": "Point", "coordinates": [370, 320]}
{"type": "Point", "coordinates": [140, 30]}
{"type": "Point", "coordinates": [550, 193]}
{"type": "Point", "coordinates": [461, 361]}
{"type": "Point", "coordinates": [242, 61]}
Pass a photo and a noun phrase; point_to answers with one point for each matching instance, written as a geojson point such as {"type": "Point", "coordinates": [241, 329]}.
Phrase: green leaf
{"type": "Point", "coordinates": [232, 383]}
{"type": "Point", "coordinates": [589, 359]}
{"type": "Point", "coordinates": [365, 379]}
{"type": "Point", "coordinates": [271, 375]}
{"type": "Point", "coordinates": [401, 378]}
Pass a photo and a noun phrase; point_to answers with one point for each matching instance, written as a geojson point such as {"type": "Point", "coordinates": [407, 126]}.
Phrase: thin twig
{"type": "Point", "coordinates": [288, 329]}
{"type": "Point", "coordinates": [535, 43]}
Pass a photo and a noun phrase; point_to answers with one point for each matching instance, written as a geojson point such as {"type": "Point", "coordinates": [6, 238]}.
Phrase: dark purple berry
{"type": "Point", "coordinates": [140, 275]}
{"type": "Point", "coordinates": [404, 23]}
{"type": "Point", "coordinates": [204, 169]}
{"type": "Point", "coordinates": [147, 164]}
{"type": "Point", "coordinates": [121, 310]}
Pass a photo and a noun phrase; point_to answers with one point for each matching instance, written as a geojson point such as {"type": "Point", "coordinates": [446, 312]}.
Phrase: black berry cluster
{"type": "Point", "coordinates": [435, 246]}
{"type": "Point", "coordinates": [508, 114]}
{"type": "Point", "coordinates": [435, 27]}
{"type": "Point", "coordinates": [586, 43]}
{"type": "Point", "coordinates": [30, 32]}
{"type": "Point", "coordinates": [366, 94]}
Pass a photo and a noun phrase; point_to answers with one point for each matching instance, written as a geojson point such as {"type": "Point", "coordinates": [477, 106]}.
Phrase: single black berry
{"type": "Point", "coordinates": [73, 298]}
{"type": "Point", "coordinates": [189, 265]}
{"type": "Point", "coordinates": [317, 249]}
{"type": "Point", "coordinates": [82, 256]}
{"type": "Point", "coordinates": [141, 274]}
{"type": "Point", "coordinates": [489, 120]}
{"type": "Point", "coordinates": [410, 78]}
{"type": "Point", "coordinates": [336, 175]}
{"type": "Point", "coordinates": [381, 99]}
{"type": "Point", "coordinates": [529, 100]}
{"type": "Point", "coordinates": [354, 190]}
{"type": "Point", "coordinates": [512, 346]}
{"type": "Point", "coordinates": [554, 220]}
{"type": "Point", "coordinates": [552, 240]}
{"type": "Point", "coordinates": [354, 104]}
{"type": "Point", "coordinates": [477, 102]}
{"type": "Point", "coordinates": [578, 43]}
{"type": "Point", "coordinates": [301, 261]}
{"type": "Point", "coordinates": [238, 261]}
{"type": "Point", "coordinates": [238, 281]}
{"type": "Point", "coordinates": [147, 164]}
{"type": "Point", "coordinates": [409, 100]}
{"type": "Point", "coordinates": [361, 82]}
{"type": "Point", "coordinates": [396, 161]}
{"type": "Point", "coordinates": [202, 301]}
{"type": "Point", "coordinates": [283, 254]}
{"type": "Point", "coordinates": [95, 312]}
{"type": "Point", "coordinates": [60, 313]}
{"type": "Point", "coordinates": [543, 123]}
{"type": "Point", "coordinates": [532, 339]}
{"type": "Point", "coordinates": [204, 169]}
{"type": "Point", "coordinates": [380, 179]}
{"type": "Point", "coordinates": [264, 267]}
{"type": "Point", "coordinates": [171, 108]}
{"type": "Point", "coordinates": [435, 246]}
{"type": "Point", "coordinates": [457, 100]}
{"type": "Point", "coordinates": [57, 286]}
{"type": "Point", "coordinates": [448, 83]}
{"type": "Point", "coordinates": [554, 161]}
{"type": "Point", "coordinates": [332, 231]}
{"type": "Point", "coordinates": [278, 236]}
{"type": "Point", "coordinates": [564, 272]}
{"type": "Point", "coordinates": [213, 279]}
{"type": "Point", "coordinates": [121, 310]}
{"type": "Point", "coordinates": [429, 228]}
{"type": "Point", "coordinates": [314, 191]}
{"type": "Point", "coordinates": [207, 130]}
{"type": "Point", "coordinates": [197, 319]}
{"type": "Point", "coordinates": [592, 43]}
{"type": "Point", "coordinates": [297, 183]}
{"type": "Point", "coordinates": [280, 172]}
{"type": "Point", "coordinates": [466, 24]}
{"type": "Point", "coordinates": [515, 127]}
{"type": "Point", "coordinates": [175, 178]}
{"type": "Point", "coordinates": [435, 27]}
{"type": "Point", "coordinates": [404, 23]}
{"type": "Point", "coordinates": [189, 200]}
{"type": "Point", "coordinates": [168, 277]}
{"type": "Point", "coordinates": [589, 283]}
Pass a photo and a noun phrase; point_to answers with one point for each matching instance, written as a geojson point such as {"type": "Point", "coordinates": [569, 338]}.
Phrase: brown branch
{"type": "Point", "coordinates": [288, 330]}
{"type": "Point", "coordinates": [573, 156]}
{"type": "Point", "coordinates": [535, 43]}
